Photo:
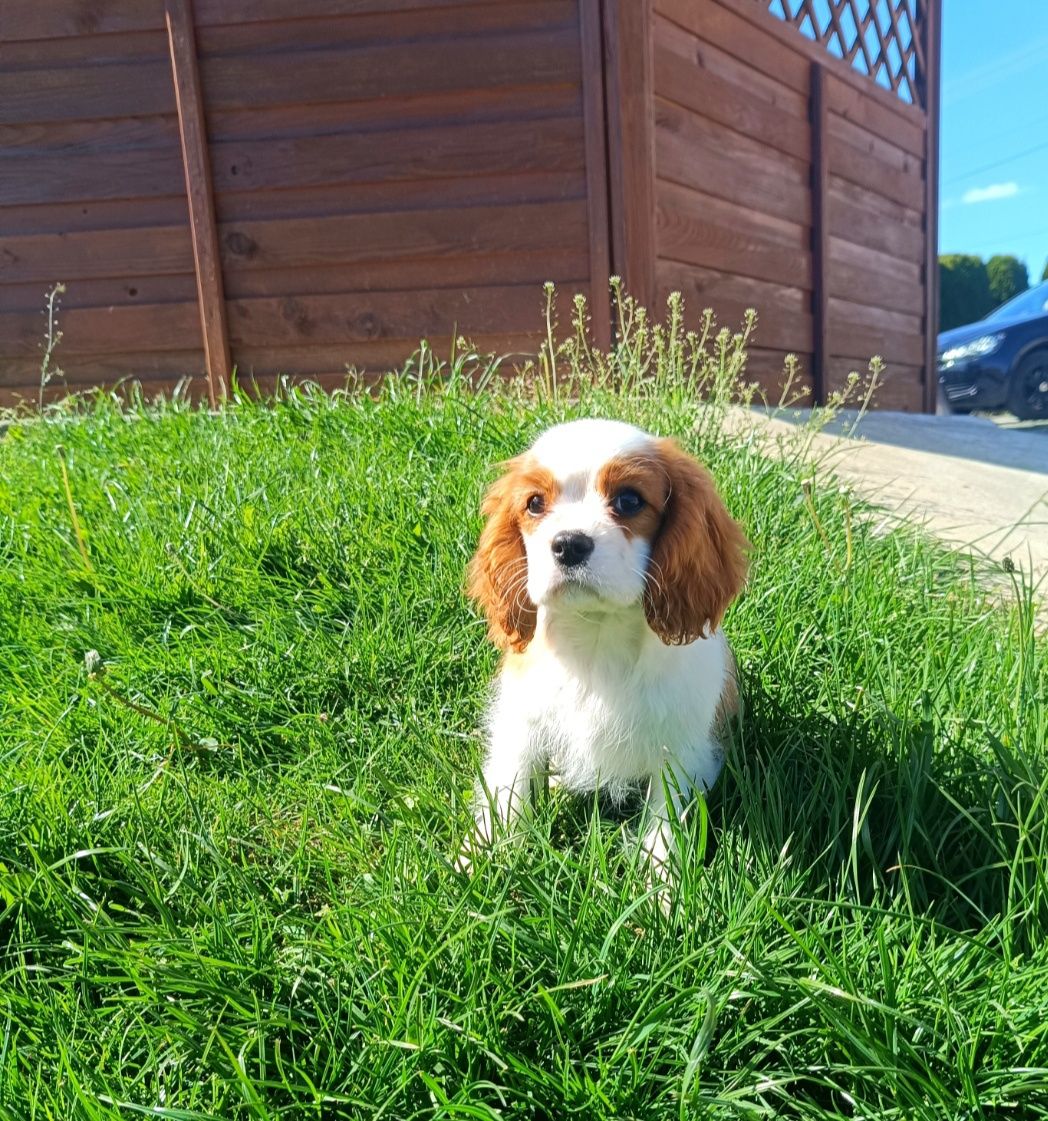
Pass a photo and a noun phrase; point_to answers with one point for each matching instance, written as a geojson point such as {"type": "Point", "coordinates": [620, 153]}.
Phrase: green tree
{"type": "Point", "coordinates": [964, 290]}
{"type": "Point", "coordinates": [1008, 277]}
{"type": "Point", "coordinates": [1044, 275]}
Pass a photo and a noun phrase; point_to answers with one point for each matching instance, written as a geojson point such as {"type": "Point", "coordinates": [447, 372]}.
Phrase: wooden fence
{"type": "Point", "coordinates": [291, 188]}
{"type": "Point", "coordinates": [787, 180]}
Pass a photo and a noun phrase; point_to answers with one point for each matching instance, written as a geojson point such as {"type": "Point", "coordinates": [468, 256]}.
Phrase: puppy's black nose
{"type": "Point", "coordinates": [570, 549]}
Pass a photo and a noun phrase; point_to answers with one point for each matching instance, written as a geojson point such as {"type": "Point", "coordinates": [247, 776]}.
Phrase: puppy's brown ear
{"type": "Point", "coordinates": [698, 560]}
{"type": "Point", "coordinates": [498, 573]}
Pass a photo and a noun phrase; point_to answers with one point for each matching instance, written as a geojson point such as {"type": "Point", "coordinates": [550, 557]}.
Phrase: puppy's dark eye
{"type": "Point", "coordinates": [627, 503]}
{"type": "Point", "coordinates": [536, 504]}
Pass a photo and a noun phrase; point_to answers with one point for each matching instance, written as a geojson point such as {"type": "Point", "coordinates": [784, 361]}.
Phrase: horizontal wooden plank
{"type": "Point", "coordinates": [430, 234]}
{"type": "Point", "coordinates": [85, 92]}
{"type": "Point", "coordinates": [341, 318]}
{"type": "Point", "coordinates": [373, 72]}
{"type": "Point", "coordinates": [873, 261]}
{"type": "Point", "coordinates": [329, 362]}
{"type": "Point", "coordinates": [726, 212]}
{"type": "Point", "coordinates": [899, 387]}
{"type": "Point", "coordinates": [520, 267]}
{"type": "Point", "coordinates": [481, 149]}
{"type": "Point", "coordinates": [97, 214]}
{"type": "Point", "coordinates": [770, 182]}
{"type": "Point", "coordinates": [347, 74]}
{"type": "Point", "coordinates": [700, 53]}
{"type": "Point", "coordinates": [85, 370]}
{"type": "Point", "coordinates": [60, 176]}
{"type": "Point", "coordinates": [853, 221]}
{"type": "Point", "coordinates": [864, 314]}
{"type": "Point", "coordinates": [845, 99]}
{"type": "Point", "coordinates": [696, 283]}
{"type": "Point", "coordinates": [57, 19]}
{"type": "Point", "coordinates": [485, 149]}
{"type": "Point", "coordinates": [374, 316]}
{"type": "Point", "coordinates": [874, 174]}
{"type": "Point", "coordinates": [405, 194]}
{"type": "Point", "coordinates": [756, 46]}
{"type": "Point", "coordinates": [211, 13]}
{"type": "Point", "coordinates": [864, 285]}
{"type": "Point", "coordinates": [393, 23]}
{"type": "Point", "coordinates": [86, 49]}
{"type": "Point", "coordinates": [729, 104]}
{"type": "Point", "coordinates": [110, 330]}
{"type": "Point", "coordinates": [88, 137]}
{"type": "Point", "coordinates": [161, 250]}
{"type": "Point", "coordinates": [511, 103]}
{"type": "Point", "coordinates": [783, 314]}
{"type": "Point", "coordinates": [877, 206]}
{"type": "Point", "coordinates": [893, 346]}
{"type": "Point", "coordinates": [891, 155]}
{"type": "Point", "coordinates": [673, 118]}
{"type": "Point", "coordinates": [126, 254]}
{"type": "Point", "coordinates": [683, 234]}
{"type": "Point", "coordinates": [102, 293]}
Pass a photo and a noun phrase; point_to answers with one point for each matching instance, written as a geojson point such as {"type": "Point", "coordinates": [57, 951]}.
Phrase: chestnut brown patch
{"type": "Point", "coordinates": [698, 559]}
{"type": "Point", "coordinates": [498, 573]}
{"type": "Point", "coordinates": [530, 481]}
{"type": "Point", "coordinates": [644, 474]}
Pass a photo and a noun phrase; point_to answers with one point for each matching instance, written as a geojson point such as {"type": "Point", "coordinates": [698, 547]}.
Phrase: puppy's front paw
{"type": "Point", "coordinates": [478, 837]}
{"type": "Point", "coordinates": [656, 867]}
{"type": "Point", "coordinates": [656, 850]}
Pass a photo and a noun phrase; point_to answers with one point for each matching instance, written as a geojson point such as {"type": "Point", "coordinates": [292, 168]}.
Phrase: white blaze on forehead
{"type": "Point", "coordinates": [576, 451]}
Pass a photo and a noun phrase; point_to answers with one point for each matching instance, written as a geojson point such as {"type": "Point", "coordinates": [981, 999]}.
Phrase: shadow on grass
{"type": "Point", "coordinates": [889, 807]}
{"type": "Point", "coordinates": [880, 811]}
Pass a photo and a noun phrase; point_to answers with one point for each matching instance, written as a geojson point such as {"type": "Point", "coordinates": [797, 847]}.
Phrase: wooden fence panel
{"type": "Point", "coordinates": [876, 249]}
{"type": "Point", "coordinates": [92, 194]}
{"type": "Point", "coordinates": [786, 182]}
{"type": "Point", "coordinates": [747, 145]}
{"type": "Point", "coordinates": [294, 188]}
{"type": "Point", "coordinates": [379, 172]}
{"type": "Point", "coordinates": [428, 160]}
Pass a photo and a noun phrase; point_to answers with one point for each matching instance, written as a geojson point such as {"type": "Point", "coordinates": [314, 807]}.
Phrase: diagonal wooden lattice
{"type": "Point", "coordinates": [881, 38]}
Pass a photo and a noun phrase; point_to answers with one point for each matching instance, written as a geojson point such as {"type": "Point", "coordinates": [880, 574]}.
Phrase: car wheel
{"type": "Point", "coordinates": [1028, 391]}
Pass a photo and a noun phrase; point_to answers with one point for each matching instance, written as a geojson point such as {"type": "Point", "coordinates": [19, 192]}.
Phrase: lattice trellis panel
{"type": "Point", "coordinates": [880, 38]}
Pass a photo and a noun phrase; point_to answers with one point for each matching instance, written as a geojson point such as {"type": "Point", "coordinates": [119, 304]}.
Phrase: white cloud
{"type": "Point", "coordinates": [991, 193]}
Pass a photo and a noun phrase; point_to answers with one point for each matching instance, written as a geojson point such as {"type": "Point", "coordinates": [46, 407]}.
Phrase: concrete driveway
{"type": "Point", "coordinates": [977, 483]}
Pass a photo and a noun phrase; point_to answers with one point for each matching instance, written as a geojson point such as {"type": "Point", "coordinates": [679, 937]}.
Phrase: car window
{"type": "Point", "coordinates": [1034, 301]}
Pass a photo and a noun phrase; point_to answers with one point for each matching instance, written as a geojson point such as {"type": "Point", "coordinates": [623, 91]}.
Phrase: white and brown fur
{"type": "Point", "coordinates": [615, 670]}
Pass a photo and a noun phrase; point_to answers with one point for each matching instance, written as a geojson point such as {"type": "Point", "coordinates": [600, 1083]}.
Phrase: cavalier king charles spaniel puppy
{"type": "Point", "coordinates": [606, 563]}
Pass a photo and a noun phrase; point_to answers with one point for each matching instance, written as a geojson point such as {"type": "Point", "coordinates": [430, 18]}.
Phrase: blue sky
{"type": "Point", "coordinates": [993, 170]}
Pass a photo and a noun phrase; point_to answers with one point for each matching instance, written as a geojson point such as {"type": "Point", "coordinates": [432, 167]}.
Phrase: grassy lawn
{"type": "Point", "coordinates": [226, 878]}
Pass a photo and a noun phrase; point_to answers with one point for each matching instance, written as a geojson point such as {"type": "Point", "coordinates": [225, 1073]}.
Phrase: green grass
{"type": "Point", "coordinates": [239, 901]}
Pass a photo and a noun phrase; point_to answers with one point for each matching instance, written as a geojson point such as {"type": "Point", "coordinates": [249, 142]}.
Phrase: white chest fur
{"type": "Point", "coordinates": [602, 701]}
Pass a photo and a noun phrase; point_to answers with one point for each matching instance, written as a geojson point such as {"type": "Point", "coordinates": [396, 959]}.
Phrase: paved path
{"type": "Point", "coordinates": [973, 482]}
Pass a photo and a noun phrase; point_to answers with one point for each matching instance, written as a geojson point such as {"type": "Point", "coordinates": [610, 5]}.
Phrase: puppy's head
{"type": "Point", "coordinates": [600, 516]}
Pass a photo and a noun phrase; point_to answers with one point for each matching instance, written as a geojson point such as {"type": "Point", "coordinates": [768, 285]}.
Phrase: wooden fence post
{"type": "Point", "coordinates": [929, 89]}
{"type": "Point", "coordinates": [197, 164]}
{"type": "Point", "coordinates": [820, 234]}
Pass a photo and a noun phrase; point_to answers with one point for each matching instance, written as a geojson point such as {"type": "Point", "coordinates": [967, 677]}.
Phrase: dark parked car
{"type": "Point", "coordinates": [1001, 362]}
